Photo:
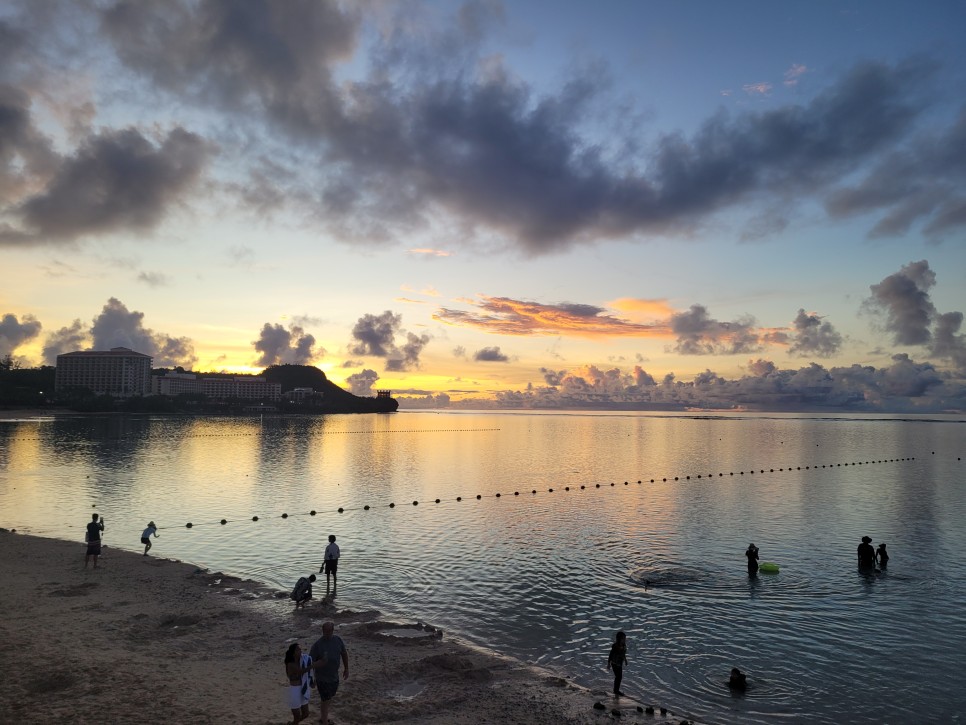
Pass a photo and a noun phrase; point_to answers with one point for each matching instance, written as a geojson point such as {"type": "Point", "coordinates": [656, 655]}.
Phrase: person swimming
{"type": "Point", "coordinates": [738, 680]}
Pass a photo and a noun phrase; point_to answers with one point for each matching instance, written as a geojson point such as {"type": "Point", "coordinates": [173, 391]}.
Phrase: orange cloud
{"type": "Point", "coordinates": [643, 309]}
{"type": "Point", "coordinates": [431, 252]}
{"type": "Point", "coordinates": [505, 316]}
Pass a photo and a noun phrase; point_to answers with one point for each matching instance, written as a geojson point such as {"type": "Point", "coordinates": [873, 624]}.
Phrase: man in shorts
{"type": "Point", "coordinates": [93, 539]}
{"type": "Point", "coordinates": [330, 563]}
{"type": "Point", "coordinates": [330, 648]}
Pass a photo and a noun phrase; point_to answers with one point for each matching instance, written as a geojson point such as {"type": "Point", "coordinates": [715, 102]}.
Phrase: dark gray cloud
{"type": "Point", "coordinates": [375, 335]}
{"type": "Point", "coordinates": [699, 334]}
{"type": "Point", "coordinates": [923, 183]}
{"type": "Point", "coordinates": [278, 345]}
{"type": "Point", "coordinates": [490, 354]}
{"type": "Point", "coordinates": [361, 383]}
{"type": "Point", "coordinates": [407, 357]}
{"type": "Point", "coordinates": [14, 332]}
{"type": "Point", "coordinates": [813, 336]}
{"type": "Point", "coordinates": [416, 138]}
{"type": "Point", "coordinates": [903, 299]}
{"type": "Point", "coordinates": [116, 181]}
{"type": "Point", "coordinates": [947, 343]}
{"type": "Point", "coordinates": [67, 339]}
{"type": "Point", "coordinates": [117, 326]}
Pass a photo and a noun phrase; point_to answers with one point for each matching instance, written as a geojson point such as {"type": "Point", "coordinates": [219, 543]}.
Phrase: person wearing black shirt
{"type": "Point", "coordinates": [866, 554]}
{"type": "Point", "coordinates": [93, 539]}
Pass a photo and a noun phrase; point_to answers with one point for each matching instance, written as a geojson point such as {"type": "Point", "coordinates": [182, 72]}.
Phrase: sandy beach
{"type": "Point", "coordinates": [148, 638]}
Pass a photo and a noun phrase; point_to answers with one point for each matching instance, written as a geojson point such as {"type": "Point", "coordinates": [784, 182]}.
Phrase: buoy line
{"type": "Point", "coordinates": [533, 492]}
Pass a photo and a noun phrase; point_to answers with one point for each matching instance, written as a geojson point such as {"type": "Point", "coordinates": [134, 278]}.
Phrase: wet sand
{"type": "Point", "coordinates": [149, 639]}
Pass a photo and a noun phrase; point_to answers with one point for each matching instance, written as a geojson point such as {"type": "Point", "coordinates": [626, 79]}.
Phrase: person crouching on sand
{"type": "Point", "coordinates": [146, 536]}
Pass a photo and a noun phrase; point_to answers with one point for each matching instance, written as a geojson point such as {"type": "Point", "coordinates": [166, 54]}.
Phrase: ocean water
{"type": "Point", "coordinates": [644, 530]}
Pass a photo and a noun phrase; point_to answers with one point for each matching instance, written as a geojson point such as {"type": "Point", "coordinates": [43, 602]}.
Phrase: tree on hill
{"type": "Point", "coordinates": [296, 376]}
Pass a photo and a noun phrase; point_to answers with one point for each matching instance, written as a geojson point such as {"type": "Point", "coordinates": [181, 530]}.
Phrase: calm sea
{"type": "Point", "coordinates": [549, 576]}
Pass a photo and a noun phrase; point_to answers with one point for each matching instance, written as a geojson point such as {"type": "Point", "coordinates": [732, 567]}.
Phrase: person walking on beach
{"type": "Point", "coordinates": [617, 659]}
{"type": "Point", "coordinates": [300, 670]}
{"type": "Point", "coordinates": [882, 556]}
{"type": "Point", "coordinates": [752, 553]}
{"type": "Point", "coordinates": [93, 539]}
{"type": "Point", "coordinates": [328, 650]}
{"type": "Point", "coordinates": [146, 536]}
{"type": "Point", "coordinates": [330, 563]}
{"type": "Point", "coordinates": [866, 554]}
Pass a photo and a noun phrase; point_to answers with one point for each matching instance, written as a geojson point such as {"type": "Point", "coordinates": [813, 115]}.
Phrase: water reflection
{"type": "Point", "coordinates": [549, 576]}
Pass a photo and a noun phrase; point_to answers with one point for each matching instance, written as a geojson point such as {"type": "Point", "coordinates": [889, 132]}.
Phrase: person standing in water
{"type": "Point", "coordinates": [146, 537]}
{"type": "Point", "coordinates": [882, 556]}
{"type": "Point", "coordinates": [330, 563]}
{"type": "Point", "coordinates": [752, 553]}
{"type": "Point", "coordinates": [866, 554]}
{"type": "Point", "coordinates": [617, 659]}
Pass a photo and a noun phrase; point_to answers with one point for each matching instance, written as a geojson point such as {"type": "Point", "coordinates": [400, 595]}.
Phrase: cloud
{"type": "Point", "coordinates": [902, 386]}
{"type": "Point", "coordinates": [361, 383]}
{"type": "Point", "coordinates": [116, 326]}
{"type": "Point", "coordinates": [154, 279]}
{"type": "Point", "coordinates": [507, 316]}
{"type": "Point", "coordinates": [375, 335]}
{"type": "Point", "coordinates": [430, 252]}
{"type": "Point", "coordinates": [411, 143]}
{"type": "Point", "coordinates": [757, 89]}
{"type": "Point", "coordinates": [699, 334]}
{"type": "Point", "coordinates": [407, 357]}
{"type": "Point", "coordinates": [67, 339]}
{"type": "Point", "coordinates": [903, 298]}
{"type": "Point", "coordinates": [280, 346]}
{"type": "Point", "coordinates": [116, 181]}
{"type": "Point", "coordinates": [14, 332]}
{"type": "Point", "coordinates": [490, 354]}
{"type": "Point", "coordinates": [793, 74]}
{"type": "Point", "coordinates": [922, 182]}
{"type": "Point", "coordinates": [813, 336]}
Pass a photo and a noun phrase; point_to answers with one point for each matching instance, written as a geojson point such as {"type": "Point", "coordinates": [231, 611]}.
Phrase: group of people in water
{"type": "Point", "coordinates": [869, 556]}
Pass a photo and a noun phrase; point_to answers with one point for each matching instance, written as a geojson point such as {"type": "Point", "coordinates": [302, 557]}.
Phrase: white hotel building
{"type": "Point", "coordinates": [119, 371]}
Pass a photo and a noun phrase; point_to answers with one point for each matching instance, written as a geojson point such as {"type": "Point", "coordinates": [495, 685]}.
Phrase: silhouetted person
{"type": "Point", "coordinates": [93, 539]}
{"type": "Point", "coordinates": [330, 562]}
{"type": "Point", "coordinates": [882, 556]}
{"type": "Point", "coordinates": [303, 590]}
{"type": "Point", "coordinates": [738, 680]}
{"type": "Point", "coordinates": [752, 553]}
{"type": "Point", "coordinates": [866, 554]}
{"type": "Point", "coordinates": [617, 659]}
{"type": "Point", "coordinates": [329, 649]}
{"type": "Point", "coordinates": [146, 536]}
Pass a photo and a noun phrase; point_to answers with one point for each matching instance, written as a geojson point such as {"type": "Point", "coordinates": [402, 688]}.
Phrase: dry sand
{"type": "Point", "coordinates": [143, 639]}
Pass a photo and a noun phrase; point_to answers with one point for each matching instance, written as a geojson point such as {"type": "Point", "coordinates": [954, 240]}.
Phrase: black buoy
{"type": "Point", "coordinates": [284, 516]}
{"type": "Point", "coordinates": [415, 503]}
{"type": "Point", "coordinates": [312, 512]}
{"type": "Point", "coordinates": [478, 497]}
{"type": "Point", "coordinates": [437, 500]}
{"type": "Point", "coordinates": [224, 521]}
{"type": "Point", "coordinates": [459, 498]}
{"type": "Point", "coordinates": [188, 525]}
{"type": "Point", "coordinates": [366, 507]}
{"type": "Point", "coordinates": [254, 518]}
{"type": "Point", "coordinates": [341, 509]}
{"type": "Point", "coordinates": [392, 505]}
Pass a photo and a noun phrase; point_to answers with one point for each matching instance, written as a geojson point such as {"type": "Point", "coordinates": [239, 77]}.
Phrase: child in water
{"type": "Point", "coordinates": [738, 680]}
{"type": "Point", "coordinates": [881, 555]}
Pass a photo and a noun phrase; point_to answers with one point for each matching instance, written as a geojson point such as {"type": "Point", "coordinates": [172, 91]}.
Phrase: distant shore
{"type": "Point", "coordinates": [144, 638]}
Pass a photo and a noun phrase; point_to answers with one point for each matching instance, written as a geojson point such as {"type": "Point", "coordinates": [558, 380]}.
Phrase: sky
{"type": "Point", "coordinates": [528, 204]}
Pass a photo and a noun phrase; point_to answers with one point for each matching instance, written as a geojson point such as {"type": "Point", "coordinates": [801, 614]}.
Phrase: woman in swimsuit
{"type": "Point", "coordinates": [298, 669]}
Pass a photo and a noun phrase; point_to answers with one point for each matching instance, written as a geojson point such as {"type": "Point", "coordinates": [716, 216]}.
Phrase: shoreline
{"type": "Point", "coordinates": [142, 635]}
